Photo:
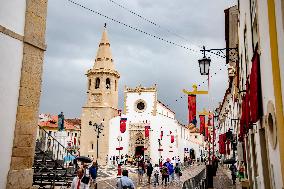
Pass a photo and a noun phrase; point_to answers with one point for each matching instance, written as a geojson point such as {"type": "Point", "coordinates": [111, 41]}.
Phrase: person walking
{"type": "Point", "coordinates": [156, 174]}
{"type": "Point", "coordinates": [165, 174]}
{"type": "Point", "coordinates": [125, 182]}
{"type": "Point", "coordinates": [149, 171]}
{"type": "Point", "coordinates": [178, 172]}
{"type": "Point", "coordinates": [233, 169]}
{"type": "Point", "coordinates": [77, 181]}
{"type": "Point", "coordinates": [141, 171]}
{"type": "Point", "coordinates": [93, 172]}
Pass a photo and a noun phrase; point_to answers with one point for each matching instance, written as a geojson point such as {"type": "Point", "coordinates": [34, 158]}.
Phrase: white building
{"type": "Point", "coordinates": [260, 40]}
{"type": "Point", "coordinates": [22, 46]}
{"type": "Point", "coordinates": [142, 108]}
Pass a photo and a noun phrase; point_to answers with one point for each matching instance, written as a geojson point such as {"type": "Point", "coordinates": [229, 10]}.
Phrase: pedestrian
{"type": "Point", "coordinates": [149, 170]}
{"type": "Point", "coordinates": [141, 171]}
{"type": "Point", "coordinates": [125, 182]}
{"type": "Point", "coordinates": [233, 169]}
{"type": "Point", "coordinates": [170, 169]}
{"type": "Point", "coordinates": [165, 174]}
{"type": "Point", "coordinates": [178, 172]}
{"type": "Point", "coordinates": [77, 182]}
{"type": "Point", "coordinates": [156, 174]}
{"type": "Point", "coordinates": [93, 172]}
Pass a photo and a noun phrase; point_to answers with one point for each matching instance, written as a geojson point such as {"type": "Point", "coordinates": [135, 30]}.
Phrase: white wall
{"type": "Point", "coordinates": [11, 53]}
{"type": "Point", "coordinates": [12, 15]}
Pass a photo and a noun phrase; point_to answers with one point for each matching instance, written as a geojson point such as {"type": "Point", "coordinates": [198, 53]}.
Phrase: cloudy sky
{"type": "Point", "coordinates": [73, 34]}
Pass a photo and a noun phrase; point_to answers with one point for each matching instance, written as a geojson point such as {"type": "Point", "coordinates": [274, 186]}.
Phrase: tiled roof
{"type": "Point", "coordinates": [52, 122]}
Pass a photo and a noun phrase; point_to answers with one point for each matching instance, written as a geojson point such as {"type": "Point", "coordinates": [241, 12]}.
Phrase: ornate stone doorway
{"type": "Point", "coordinates": [138, 144]}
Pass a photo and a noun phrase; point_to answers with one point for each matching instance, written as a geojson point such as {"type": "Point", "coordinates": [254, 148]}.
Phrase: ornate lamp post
{"type": "Point", "coordinates": [98, 129]}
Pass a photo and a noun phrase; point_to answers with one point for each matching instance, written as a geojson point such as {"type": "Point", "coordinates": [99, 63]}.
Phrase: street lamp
{"type": "Point", "coordinates": [98, 129]}
{"type": "Point", "coordinates": [204, 64]}
{"type": "Point", "coordinates": [231, 55]}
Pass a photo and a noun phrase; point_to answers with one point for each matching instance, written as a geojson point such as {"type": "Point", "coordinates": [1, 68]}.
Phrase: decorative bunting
{"type": "Point", "coordinates": [123, 124]}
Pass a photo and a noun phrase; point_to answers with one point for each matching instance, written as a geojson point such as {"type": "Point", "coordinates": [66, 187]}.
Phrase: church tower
{"type": "Point", "coordinates": [101, 104]}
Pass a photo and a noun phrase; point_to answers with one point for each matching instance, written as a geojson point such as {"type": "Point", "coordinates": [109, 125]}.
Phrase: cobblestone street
{"type": "Point", "coordinates": [109, 182]}
{"type": "Point", "coordinates": [223, 180]}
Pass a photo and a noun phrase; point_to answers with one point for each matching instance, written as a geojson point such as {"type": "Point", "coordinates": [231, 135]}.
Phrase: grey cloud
{"type": "Point", "coordinates": [73, 35]}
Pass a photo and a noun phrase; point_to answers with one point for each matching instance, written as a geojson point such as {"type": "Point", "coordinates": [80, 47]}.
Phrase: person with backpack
{"type": "Point", "coordinates": [141, 171]}
{"type": "Point", "coordinates": [156, 174]}
{"type": "Point", "coordinates": [165, 174]}
{"type": "Point", "coordinates": [125, 182]}
{"type": "Point", "coordinates": [149, 170]}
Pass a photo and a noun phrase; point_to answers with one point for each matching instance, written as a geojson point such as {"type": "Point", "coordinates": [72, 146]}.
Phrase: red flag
{"type": "Point", "coordinates": [202, 124]}
{"type": "Point", "coordinates": [123, 124]}
{"type": "Point", "coordinates": [147, 131]}
{"type": "Point", "coordinates": [191, 108]}
{"type": "Point", "coordinates": [161, 135]}
{"type": "Point", "coordinates": [172, 137]}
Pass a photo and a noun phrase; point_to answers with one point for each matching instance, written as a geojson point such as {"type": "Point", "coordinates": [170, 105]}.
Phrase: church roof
{"type": "Point", "coordinates": [104, 57]}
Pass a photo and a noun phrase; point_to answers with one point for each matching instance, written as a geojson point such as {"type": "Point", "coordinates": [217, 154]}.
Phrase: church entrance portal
{"type": "Point", "coordinates": [139, 151]}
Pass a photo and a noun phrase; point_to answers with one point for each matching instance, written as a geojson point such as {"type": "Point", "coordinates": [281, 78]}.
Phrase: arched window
{"type": "Point", "coordinates": [108, 83]}
{"type": "Point", "coordinates": [97, 83]}
{"type": "Point", "coordinates": [89, 84]}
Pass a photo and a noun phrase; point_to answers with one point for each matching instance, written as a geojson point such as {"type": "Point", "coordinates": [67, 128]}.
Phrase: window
{"type": "Point", "coordinates": [89, 84]}
{"type": "Point", "coordinates": [107, 83]}
{"type": "Point", "coordinates": [68, 134]}
{"type": "Point", "coordinates": [97, 83]}
{"type": "Point", "coordinates": [195, 136]}
{"type": "Point", "coordinates": [75, 134]}
{"type": "Point", "coordinates": [115, 84]}
{"type": "Point", "coordinates": [92, 146]}
{"type": "Point", "coordinates": [49, 133]}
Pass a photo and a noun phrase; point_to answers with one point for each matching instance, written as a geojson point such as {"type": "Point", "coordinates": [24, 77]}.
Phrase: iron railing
{"type": "Point", "coordinates": [196, 182]}
{"type": "Point", "coordinates": [52, 162]}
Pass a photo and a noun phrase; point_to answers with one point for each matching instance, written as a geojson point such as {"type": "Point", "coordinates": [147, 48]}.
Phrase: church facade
{"type": "Point", "coordinates": [150, 128]}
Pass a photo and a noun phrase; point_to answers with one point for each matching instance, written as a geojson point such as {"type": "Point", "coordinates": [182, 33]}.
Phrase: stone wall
{"type": "Point", "coordinates": [20, 174]}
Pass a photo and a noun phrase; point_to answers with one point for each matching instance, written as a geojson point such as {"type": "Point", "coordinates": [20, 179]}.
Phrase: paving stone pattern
{"type": "Point", "coordinates": [109, 181]}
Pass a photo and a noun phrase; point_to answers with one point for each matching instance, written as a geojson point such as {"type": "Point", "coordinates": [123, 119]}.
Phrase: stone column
{"type": "Point", "coordinates": [21, 174]}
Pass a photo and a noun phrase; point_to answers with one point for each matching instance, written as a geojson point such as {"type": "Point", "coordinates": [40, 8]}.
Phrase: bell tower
{"type": "Point", "coordinates": [101, 104]}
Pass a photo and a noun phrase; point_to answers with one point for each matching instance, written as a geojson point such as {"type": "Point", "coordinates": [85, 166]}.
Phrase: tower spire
{"type": "Point", "coordinates": [104, 56]}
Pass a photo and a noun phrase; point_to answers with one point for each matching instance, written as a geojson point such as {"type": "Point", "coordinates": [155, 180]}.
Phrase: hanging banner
{"type": "Point", "coordinates": [192, 109]}
{"type": "Point", "coordinates": [123, 124]}
{"type": "Point", "coordinates": [255, 99]}
{"type": "Point", "coordinates": [172, 137]}
{"type": "Point", "coordinates": [202, 124]}
{"type": "Point", "coordinates": [162, 133]}
{"type": "Point", "coordinates": [147, 131]}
